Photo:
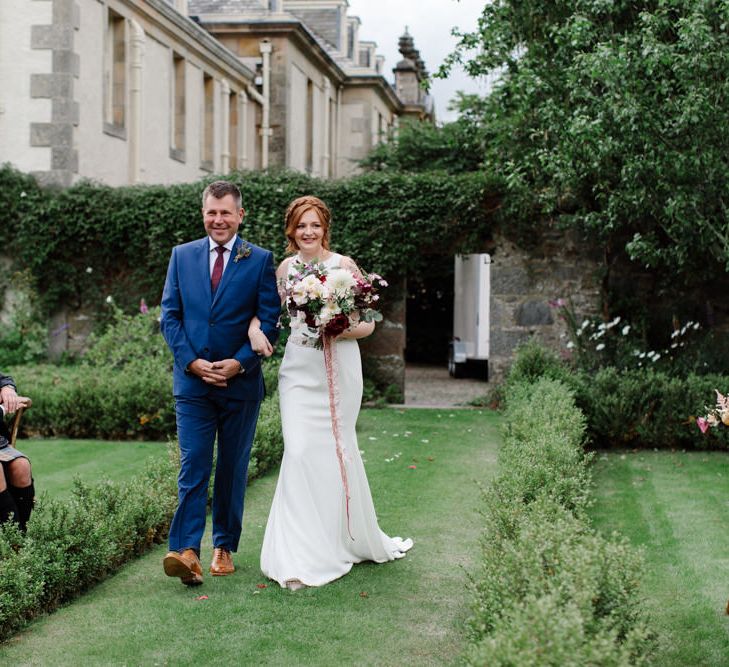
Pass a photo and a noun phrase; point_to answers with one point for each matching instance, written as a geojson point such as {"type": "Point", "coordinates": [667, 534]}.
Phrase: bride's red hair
{"type": "Point", "coordinates": [296, 209]}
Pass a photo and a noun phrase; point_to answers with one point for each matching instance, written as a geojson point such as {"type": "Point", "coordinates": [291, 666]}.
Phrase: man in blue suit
{"type": "Point", "coordinates": [214, 287]}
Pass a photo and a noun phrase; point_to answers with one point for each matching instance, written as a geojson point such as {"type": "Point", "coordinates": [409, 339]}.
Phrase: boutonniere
{"type": "Point", "coordinates": [244, 250]}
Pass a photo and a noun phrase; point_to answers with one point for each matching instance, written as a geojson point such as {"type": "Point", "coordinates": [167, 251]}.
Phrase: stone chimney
{"type": "Point", "coordinates": [407, 71]}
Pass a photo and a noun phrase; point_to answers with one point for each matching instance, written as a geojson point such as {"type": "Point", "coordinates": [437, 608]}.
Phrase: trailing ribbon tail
{"type": "Point", "coordinates": [330, 363]}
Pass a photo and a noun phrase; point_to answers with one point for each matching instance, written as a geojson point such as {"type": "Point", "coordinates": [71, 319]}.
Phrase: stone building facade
{"type": "Point", "coordinates": [120, 91]}
{"type": "Point", "coordinates": [161, 91]}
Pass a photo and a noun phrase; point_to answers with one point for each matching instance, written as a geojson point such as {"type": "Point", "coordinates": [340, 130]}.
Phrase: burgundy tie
{"type": "Point", "coordinates": [217, 269]}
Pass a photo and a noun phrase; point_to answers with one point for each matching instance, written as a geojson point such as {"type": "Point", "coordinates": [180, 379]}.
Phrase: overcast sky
{"type": "Point", "coordinates": [430, 23]}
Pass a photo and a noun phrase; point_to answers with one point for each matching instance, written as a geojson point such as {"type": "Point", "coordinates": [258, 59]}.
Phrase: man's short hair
{"type": "Point", "coordinates": [220, 189]}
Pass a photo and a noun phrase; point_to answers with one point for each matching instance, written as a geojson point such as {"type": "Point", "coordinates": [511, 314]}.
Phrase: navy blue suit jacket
{"type": "Point", "coordinates": [197, 325]}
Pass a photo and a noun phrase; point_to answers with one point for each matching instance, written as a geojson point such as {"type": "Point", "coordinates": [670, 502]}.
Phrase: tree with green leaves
{"type": "Point", "coordinates": [611, 116]}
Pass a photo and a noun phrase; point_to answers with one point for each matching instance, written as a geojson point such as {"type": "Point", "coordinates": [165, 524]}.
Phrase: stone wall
{"type": "Point", "coordinates": [383, 353]}
{"type": "Point", "coordinates": [522, 285]}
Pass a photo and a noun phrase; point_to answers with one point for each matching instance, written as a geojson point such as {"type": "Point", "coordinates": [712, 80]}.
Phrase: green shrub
{"type": "Point", "coordinates": [130, 340]}
{"type": "Point", "coordinates": [533, 361]}
{"type": "Point", "coordinates": [549, 590]}
{"type": "Point", "coordinates": [550, 551]}
{"type": "Point", "coordinates": [646, 408]}
{"type": "Point", "coordinates": [545, 632]}
{"type": "Point", "coordinates": [24, 336]}
{"type": "Point", "coordinates": [542, 414]}
{"type": "Point", "coordinates": [70, 546]}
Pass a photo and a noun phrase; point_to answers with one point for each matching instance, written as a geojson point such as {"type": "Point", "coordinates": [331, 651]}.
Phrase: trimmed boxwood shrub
{"type": "Point", "coordinates": [72, 545]}
{"type": "Point", "coordinates": [123, 388]}
{"type": "Point", "coordinates": [550, 590]}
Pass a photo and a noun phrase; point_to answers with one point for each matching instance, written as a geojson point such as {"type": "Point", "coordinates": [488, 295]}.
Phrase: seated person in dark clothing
{"type": "Point", "coordinates": [16, 482]}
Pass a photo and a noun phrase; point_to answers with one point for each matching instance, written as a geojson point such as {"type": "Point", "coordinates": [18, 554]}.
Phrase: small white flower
{"type": "Point", "coordinates": [23, 195]}
{"type": "Point", "coordinates": [641, 355]}
{"type": "Point", "coordinates": [656, 357]}
{"type": "Point", "coordinates": [89, 269]}
{"type": "Point", "coordinates": [372, 437]}
{"type": "Point", "coordinates": [584, 324]}
{"type": "Point", "coordinates": [675, 333]}
{"type": "Point", "coordinates": [636, 353]}
{"type": "Point", "coordinates": [425, 441]}
{"type": "Point", "coordinates": [625, 330]}
{"type": "Point", "coordinates": [674, 346]}
{"type": "Point", "coordinates": [109, 299]}
{"type": "Point", "coordinates": [570, 345]}
{"type": "Point", "coordinates": [600, 346]}
{"type": "Point", "coordinates": [696, 325]}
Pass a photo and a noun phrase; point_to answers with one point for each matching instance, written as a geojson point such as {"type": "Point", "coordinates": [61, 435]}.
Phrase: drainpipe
{"type": "Point", "coordinates": [225, 138]}
{"type": "Point", "coordinates": [338, 132]}
{"type": "Point", "coordinates": [243, 106]}
{"type": "Point", "coordinates": [265, 47]}
{"type": "Point", "coordinates": [326, 155]}
{"type": "Point", "coordinates": [135, 101]}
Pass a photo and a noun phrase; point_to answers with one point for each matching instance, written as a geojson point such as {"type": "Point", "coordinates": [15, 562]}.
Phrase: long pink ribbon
{"type": "Point", "coordinates": [330, 364]}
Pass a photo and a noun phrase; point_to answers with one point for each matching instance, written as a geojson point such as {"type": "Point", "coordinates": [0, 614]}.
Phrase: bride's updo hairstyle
{"type": "Point", "coordinates": [296, 209]}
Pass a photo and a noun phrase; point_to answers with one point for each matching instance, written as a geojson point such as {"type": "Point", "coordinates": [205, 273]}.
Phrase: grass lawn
{"type": "Point", "coordinates": [675, 504]}
{"type": "Point", "coordinates": [407, 612]}
{"type": "Point", "coordinates": [57, 462]}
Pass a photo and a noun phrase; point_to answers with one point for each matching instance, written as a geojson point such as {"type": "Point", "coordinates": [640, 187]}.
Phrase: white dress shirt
{"type": "Point", "coordinates": [214, 255]}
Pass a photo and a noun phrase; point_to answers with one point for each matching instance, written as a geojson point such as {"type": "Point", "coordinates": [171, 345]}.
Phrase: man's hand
{"type": "Point", "coordinates": [9, 399]}
{"type": "Point", "coordinates": [216, 373]}
{"type": "Point", "coordinates": [205, 371]}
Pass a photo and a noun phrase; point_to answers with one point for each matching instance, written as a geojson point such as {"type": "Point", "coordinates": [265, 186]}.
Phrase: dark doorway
{"type": "Point", "coordinates": [430, 313]}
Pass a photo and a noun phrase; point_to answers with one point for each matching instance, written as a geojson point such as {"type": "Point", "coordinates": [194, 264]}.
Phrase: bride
{"type": "Point", "coordinates": [313, 536]}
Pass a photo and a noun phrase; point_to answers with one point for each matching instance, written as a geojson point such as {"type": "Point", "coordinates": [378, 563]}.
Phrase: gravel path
{"type": "Point", "coordinates": [431, 386]}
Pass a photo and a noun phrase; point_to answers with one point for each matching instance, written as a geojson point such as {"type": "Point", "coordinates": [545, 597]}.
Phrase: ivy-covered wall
{"type": "Point", "coordinates": [88, 242]}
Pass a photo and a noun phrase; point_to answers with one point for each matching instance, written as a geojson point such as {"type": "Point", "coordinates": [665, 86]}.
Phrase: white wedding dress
{"type": "Point", "coordinates": [307, 538]}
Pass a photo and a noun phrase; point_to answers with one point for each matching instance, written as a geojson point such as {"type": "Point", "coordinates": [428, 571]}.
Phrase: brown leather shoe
{"type": "Point", "coordinates": [222, 563]}
{"type": "Point", "coordinates": [185, 565]}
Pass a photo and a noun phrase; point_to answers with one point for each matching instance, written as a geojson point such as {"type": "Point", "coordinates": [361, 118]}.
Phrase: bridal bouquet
{"type": "Point", "coordinates": [330, 301]}
{"type": "Point", "coordinates": [717, 416]}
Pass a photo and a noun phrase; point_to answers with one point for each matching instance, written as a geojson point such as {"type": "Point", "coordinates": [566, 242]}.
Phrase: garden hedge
{"type": "Point", "coordinates": [649, 409]}
{"type": "Point", "coordinates": [89, 241]}
{"type": "Point", "coordinates": [550, 590]}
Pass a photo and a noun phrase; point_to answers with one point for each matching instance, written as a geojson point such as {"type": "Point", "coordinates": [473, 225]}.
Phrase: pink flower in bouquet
{"type": "Point", "coordinates": [702, 424]}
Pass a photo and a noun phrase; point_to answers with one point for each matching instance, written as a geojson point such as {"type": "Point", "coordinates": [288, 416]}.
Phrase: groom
{"type": "Point", "coordinates": [214, 287]}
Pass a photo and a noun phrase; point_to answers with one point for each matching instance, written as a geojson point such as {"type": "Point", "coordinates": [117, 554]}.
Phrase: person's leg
{"type": "Point", "coordinates": [196, 425]}
{"type": "Point", "coordinates": [235, 439]}
{"type": "Point", "coordinates": [8, 508]}
{"type": "Point", "coordinates": [21, 488]}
